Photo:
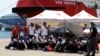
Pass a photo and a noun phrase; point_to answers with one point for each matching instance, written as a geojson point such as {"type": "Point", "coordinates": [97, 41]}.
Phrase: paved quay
{"type": "Point", "coordinates": [5, 52]}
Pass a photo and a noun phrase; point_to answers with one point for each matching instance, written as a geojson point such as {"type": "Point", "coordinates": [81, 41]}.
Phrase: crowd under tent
{"type": "Point", "coordinates": [53, 17]}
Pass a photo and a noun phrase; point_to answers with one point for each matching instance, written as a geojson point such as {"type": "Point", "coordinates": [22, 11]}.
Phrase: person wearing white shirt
{"type": "Point", "coordinates": [22, 35]}
{"type": "Point", "coordinates": [44, 31]}
{"type": "Point", "coordinates": [37, 32]}
{"type": "Point", "coordinates": [31, 30]}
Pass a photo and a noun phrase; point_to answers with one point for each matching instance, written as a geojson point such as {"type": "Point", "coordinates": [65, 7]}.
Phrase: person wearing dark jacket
{"type": "Point", "coordinates": [12, 45]}
{"type": "Point", "coordinates": [21, 45]}
{"type": "Point", "coordinates": [92, 40]}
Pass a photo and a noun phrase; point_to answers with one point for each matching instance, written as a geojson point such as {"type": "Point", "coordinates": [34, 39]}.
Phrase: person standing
{"type": "Point", "coordinates": [85, 26]}
{"type": "Point", "coordinates": [92, 40]}
{"type": "Point", "coordinates": [48, 30]}
{"type": "Point", "coordinates": [37, 32]}
{"type": "Point", "coordinates": [26, 31]}
{"type": "Point", "coordinates": [13, 33]}
{"type": "Point", "coordinates": [18, 29]}
{"type": "Point", "coordinates": [31, 30]}
{"type": "Point", "coordinates": [44, 31]}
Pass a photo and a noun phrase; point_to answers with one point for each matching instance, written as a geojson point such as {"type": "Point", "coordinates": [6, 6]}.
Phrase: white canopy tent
{"type": "Point", "coordinates": [80, 19]}
{"type": "Point", "coordinates": [52, 17]}
{"type": "Point", "coordinates": [51, 14]}
{"type": "Point", "coordinates": [83, 15]}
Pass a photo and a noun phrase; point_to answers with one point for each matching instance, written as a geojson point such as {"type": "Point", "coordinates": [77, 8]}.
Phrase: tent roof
{"type": "Point", "coordinates": [51, 14]}
{"type": "Point", "coordinates": [83, 15]}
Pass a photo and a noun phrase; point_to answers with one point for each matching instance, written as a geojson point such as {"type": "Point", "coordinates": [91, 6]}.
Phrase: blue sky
{"type": "Point", "coordinates": [6, 6]}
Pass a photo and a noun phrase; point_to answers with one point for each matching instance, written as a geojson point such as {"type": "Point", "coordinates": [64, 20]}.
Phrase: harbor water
{"type": "Point", "coordinates": [5, 34]}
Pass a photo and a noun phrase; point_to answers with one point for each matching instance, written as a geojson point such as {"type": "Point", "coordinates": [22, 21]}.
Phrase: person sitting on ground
{"type": "Point", "coordinates": [58, 44]}
{"type": "Point", "coordinates": [75, 47]}
{"type": "Point", "coordinates": [52, 41]}
{"type": "Point", "coordinates": [23, 36]}
{"type": "Point", "coordinates": [12, 45]}
{"type": "Point", "coordinates": [82, 45]}
{"type": "Point", "coordinates": [70, 46]}
{"type": "Point", "coordinates": [21, 45]}
{"type": "Point", "coordinates": [62, 45]}
{"type": "Point", "coordinates": [29, 44]}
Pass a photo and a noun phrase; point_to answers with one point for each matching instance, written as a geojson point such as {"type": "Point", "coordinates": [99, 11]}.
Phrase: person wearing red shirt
{"type": "Point", "coordinates": [17, 30]}
{"type": "Point", "coordinates": [13, 34]}
{"type": "Point", "coordinates": [26, 32]}
{"type": "Point", "coordinates": [18, 27]}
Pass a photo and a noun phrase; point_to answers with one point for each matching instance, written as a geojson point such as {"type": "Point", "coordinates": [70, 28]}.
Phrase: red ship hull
{"type": "Point", "coordinates": [33, 7]}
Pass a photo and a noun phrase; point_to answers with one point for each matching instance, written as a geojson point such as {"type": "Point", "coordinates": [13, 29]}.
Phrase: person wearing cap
{"type": "Point", "coordinates": [92, 40]}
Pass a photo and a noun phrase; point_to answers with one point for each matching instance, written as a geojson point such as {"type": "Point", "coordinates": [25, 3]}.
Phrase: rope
{"type": "Point", "coordinates": [40, 4]}
{"type": "Point", "coordinates": [76, 7]}
{"type": "Point", "coordinates": [7, 7]}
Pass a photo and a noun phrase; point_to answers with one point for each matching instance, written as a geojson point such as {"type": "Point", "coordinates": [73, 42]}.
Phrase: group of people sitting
{"type": "Point", "coordinates": [35, 37]}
